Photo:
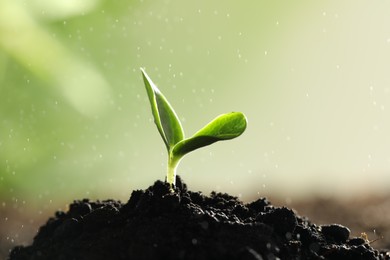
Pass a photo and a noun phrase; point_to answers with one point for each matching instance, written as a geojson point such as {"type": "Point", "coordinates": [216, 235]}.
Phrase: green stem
{"type": "Point", "coordinates": [171, 174]}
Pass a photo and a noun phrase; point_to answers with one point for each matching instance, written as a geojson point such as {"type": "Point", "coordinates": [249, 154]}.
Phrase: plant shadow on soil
{"type": "Point", "coordinates": [158, 224]}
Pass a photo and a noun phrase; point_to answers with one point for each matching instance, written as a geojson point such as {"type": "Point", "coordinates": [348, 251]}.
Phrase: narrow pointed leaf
{"type": "Point", "coordinates": [167, 122]}
{"type": "Point", "coordinates": [223, 127]}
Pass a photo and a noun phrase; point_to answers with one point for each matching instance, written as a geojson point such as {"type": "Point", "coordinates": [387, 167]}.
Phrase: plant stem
{"type": "Point", "coordinates": [171, 174]}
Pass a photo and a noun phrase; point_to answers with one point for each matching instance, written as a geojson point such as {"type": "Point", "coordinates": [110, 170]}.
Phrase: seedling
{"type": "Point", "coordinates": [223, 127]}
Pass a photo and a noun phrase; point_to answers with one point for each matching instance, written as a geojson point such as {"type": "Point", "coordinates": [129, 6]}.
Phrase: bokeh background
{"type": "Point", "coordinates": [313, 78]}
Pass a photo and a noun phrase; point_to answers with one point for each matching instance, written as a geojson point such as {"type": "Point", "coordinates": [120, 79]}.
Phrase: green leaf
{"type": "Point", "coordinates": [223, 127]}
{"type": "Point", "coordinates": [167, 122]}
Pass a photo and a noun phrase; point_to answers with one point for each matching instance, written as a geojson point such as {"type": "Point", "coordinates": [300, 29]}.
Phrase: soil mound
{"type": "Point", "coordinates": [158, 224]}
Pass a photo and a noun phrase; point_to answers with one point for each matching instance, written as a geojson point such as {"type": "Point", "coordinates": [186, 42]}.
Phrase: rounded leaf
{"type": "Point", "coordinates": [223, 127]}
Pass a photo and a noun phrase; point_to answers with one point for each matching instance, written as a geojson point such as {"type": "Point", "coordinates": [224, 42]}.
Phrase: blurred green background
{"type": "Point", "coordinates": [311, 76]}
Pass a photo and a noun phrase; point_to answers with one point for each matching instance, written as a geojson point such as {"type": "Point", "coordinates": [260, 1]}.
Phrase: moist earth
{"type": "Point", "coordinates": [159, 224]}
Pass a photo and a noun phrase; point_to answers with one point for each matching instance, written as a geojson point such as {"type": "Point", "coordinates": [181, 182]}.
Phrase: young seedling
{"type": "Point", "coordinates": [223, 127]}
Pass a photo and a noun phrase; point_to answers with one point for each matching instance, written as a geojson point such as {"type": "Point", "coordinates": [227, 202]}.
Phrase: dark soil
{"type": "Point", "coordinates": [158, 224]}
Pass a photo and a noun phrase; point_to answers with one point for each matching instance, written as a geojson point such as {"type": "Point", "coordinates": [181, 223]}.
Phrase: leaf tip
{"type": "Point", "coordinates": [241, 121]}
{"type": "Point", "coordinates": [143, 72]}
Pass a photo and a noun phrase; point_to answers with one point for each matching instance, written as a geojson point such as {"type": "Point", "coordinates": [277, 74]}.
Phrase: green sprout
{"type": "Point", "coordinates": [223, 127]}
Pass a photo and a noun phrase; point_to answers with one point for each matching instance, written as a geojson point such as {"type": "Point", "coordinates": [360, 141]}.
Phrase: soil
{"type": "Point", "coordinates": [158, 224]}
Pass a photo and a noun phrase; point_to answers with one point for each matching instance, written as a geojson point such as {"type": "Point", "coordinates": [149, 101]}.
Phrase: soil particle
{"type": "Point", "coordinates": [158, 224]}
{"type": "Point", "coordinates": [335, 233]}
